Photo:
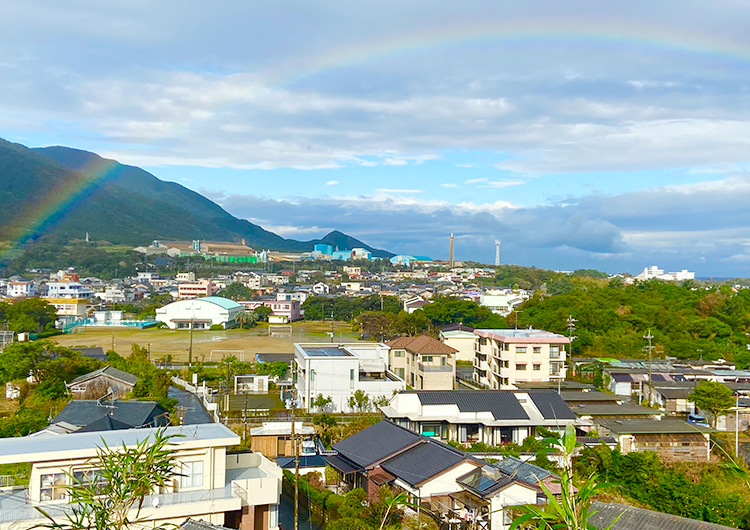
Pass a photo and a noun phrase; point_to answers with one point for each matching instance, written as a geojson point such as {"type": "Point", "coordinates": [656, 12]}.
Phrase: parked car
{"type": "Point", "coordinates": [697, 419]}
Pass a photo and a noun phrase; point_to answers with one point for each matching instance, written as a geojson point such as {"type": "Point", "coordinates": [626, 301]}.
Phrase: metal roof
{"type": "Point", "coordinates": [110, 371]}
{"type": "Point", "coordinates": [423, 461]}
{"type": "Point", "coordinates": [523, 471]}
{"type": "Point", "coordinates": [651, 426]}
{"type": "Point", "coordinates": [83, 412]}
{"type": "Point", "coordinates": [286, 462]}
{"type": "Point", "coordinates": [341, 463]}
{"type": "Point", "coordinates": [610, 409]}
{"type": "Point", "coordinates": [552, 406]}
{"type": "Point", "coordinates": [503, 404]}
{"type": "Point", "coordinates": [633, 518]}
{"type": "Point", "coordinates": [594, 395]}
{"type": "Point", "coordinates": [224, 303]}
{"type": "Point", "coordinates": [375, 443]}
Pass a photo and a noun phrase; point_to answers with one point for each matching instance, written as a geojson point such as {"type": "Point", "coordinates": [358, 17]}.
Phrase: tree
{"type": "Point", "coordinates": [360, 401]}
{"type": "Point", "coordinates": [236, 291]}
{"type": "Point", "coordinates": [261, 313]}
{"type": "Point", "coordinates": [713, 397]}
{"type": "Point", "coordinates": [120, 477]}
{"type": "Point", "coordinates": [571, 510]}
{"type": "Point", "coordinates": [247, 319]}
{"type": "Point", "coordinates": [376, 324]}
{"type": "Point", "coordinates": [32, 314]}
{"type": "Point", "coordinates": [321, 401]}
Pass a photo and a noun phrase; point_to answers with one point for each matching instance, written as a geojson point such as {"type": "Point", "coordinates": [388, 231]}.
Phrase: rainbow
{"type": "Point", "coordinates": [56, 202]}
{"type": "Point", "coordinates": [549, 31]}
{"type": "Point", "coordinates": [594, 32]}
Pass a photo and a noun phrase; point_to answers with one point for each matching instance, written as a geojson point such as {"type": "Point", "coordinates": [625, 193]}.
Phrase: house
{"type": "Point", "coordinates": [412, 304]}
{"type": "Point", "coordinates": [340, 370]}
{"type": "Point", "coordinates": [200, 313]}
{"type": "Point", "coordinates": [591, 414]}
{"type": "Point", "coordinates": [282, 311]}
{"type": "Point", "coordinates": [21, 289]}
{"type": "Point", "coordinates": [321, 288]}
{"type": "Point", "coordinates": [239, 490]}
{"type": "Point", "coordinates": [423, 362]}
{"type": "Point", "coordinates": [507, 356]}
{"type": "Point", "coordinates": [251, 383]}
{"type": "Point", "coordinates": [92, 352]}
{"type": "Point", "coordinates": [493, 417]}
{"type": "Point", "coordinates": [462, 339]}
{"type": "Point", "coordinates": [107, 381]}
{"type": "Point", "coordinates": [673, 438]}
{"type": "Point", "coordinates": [435, 476]}
{"type": "Point", "coordinates": [185, 277]}
{"type": "Point", "coordinates": [632, 518]}
{"type": "Point", "coordinates": [68, 290]}
{"type": "Point", "coordinates": [133, 414]}
{"type": "Point", "coordinates": [503, 301]}
{"type": "Point", "coordinates": [274, 439]}
{"type": "Point", "coordinates": [198, 289]}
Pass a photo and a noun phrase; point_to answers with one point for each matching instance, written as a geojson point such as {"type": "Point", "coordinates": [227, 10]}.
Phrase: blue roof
{"type": "Point", "coordinates": [225, 303]}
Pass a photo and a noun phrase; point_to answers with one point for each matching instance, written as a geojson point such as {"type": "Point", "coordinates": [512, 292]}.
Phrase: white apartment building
{"type": "Point", "coordinates": [68, 290]}
{"type": "Point", "coordinates": [503, 301]}
{"type": "Point", "coordinates": [241, 490]}
{"type": "Point", "coordinates": [185, 277]}
{"type": "Point", "coordinates": [21, 289]}
{"type": "Point", "coordinates": [505, 357]}
{"type": "Point", "coordinates": [461, 339]}
{"type": "Point", "coordinates": [655, 273]}
{"type": "Point", "coordinates": [339, 370]}
{"type": "Point", "coordinates": [147, 276]}
{"type": "Point", "coordinates": [199, 289]}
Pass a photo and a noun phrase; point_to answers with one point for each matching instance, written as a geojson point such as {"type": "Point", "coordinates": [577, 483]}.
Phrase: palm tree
{"type": "Point", "coordinates": [571, 511]}
{"type": "Point", "coordinates": [246, 319]}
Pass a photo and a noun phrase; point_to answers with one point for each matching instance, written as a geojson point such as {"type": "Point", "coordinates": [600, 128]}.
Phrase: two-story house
{"type": "Point", "coordinates": [423, 362]}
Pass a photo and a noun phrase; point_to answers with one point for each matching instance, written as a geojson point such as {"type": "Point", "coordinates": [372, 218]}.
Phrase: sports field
{"type": "Point", "coordinates": [163, 341]}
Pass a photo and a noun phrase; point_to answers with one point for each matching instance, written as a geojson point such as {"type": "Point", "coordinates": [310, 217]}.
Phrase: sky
{"type": "Point", "coordinates": [582, 134]}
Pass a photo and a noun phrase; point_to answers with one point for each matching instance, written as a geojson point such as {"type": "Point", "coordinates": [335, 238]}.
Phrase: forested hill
{"type": "Point", "coordinates": [118, 203]}
{"type": "Point", "coordinates": [687, 321]}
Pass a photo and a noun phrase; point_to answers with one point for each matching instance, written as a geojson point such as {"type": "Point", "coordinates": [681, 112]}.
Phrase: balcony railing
{"type": "Point", "coordinates": [15, 507]}
{"type": "Point", "coordinates": [441, 368]}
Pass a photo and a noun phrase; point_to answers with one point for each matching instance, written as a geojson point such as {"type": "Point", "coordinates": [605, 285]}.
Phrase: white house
{"type": "Point", "coordinates": [214, 486]}
{"type": "Point", "coordinates": [202, 312]}
{"type": "Point", "coordinates": [503, 301]}
{"type": "Point", "coordinates": [321, 288]}
{"type": "Point", "coordinates": [68, 290]}
{"type": "Point", "coordinates": [339, 370]}
{"type": "Point", "coordinates": [21, 289]}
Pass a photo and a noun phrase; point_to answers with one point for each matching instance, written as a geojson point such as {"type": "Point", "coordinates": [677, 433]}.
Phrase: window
{"type": "Point", "coordinates": [554, 351]}
{"type": "Point", "coordinates": [442, 361]}
{"type": "Point", "coordinates": [54, 487]}
{"type": "Point", "coordinates": [192, 474]}
{"type": "Point", "coordinates": [398, 353]}
{"type": "Point", "coordinates": [400, 372]}
{"type": "Point", "coordinates": [537, 349]}
{"type": "Point", "coordinates": [520, 349]}
{"type": "Point", "coordinates": [427, 359]}
{"type": "Point", "coordinates": [351, 375]}
{"type": "Point", "coordinates": [537, 367]}
{"type": "Point", "coordinates": [90, 476]}
{"type": "Point", "coordinates": [506, 364]}
{"type": "Point", "coordinates": [554, 368]}
{"type": "Point", "coordinates": [521, 366]}
{"type": "Point", "coordinates": [273, 515]}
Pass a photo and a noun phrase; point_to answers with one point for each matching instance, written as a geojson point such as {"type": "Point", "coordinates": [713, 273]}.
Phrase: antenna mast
{"type": "Point", "coordinates": [497, 252]}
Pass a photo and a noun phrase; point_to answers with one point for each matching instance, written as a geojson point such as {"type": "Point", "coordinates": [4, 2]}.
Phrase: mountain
{"type": "Point", "coordinates": [64, 191]}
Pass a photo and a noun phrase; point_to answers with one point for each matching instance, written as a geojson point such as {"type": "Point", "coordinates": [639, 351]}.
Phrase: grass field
{"type": "Point", "coordinates": [164, 341]}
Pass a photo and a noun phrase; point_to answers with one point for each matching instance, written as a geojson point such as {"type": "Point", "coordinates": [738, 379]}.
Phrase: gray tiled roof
{"type": "Point", "coordinates": [422, 461]}
{"type": "Point", "coordinates": [84, 412]}
{"type": "Point", "coordinates": [503, 404]}
{"type": "Point", "coordinates": [641, 519]}
{"type": "Point", "coordinates": [94, 352]}
{"type": "Point", "coordinates": [109, 371]}
{"type": "Point", "coordinates": [192, 524]}
{"type": "Point", "coordinates": [376, 443]}
{"type": "Point", "coordinates": [552, 406]}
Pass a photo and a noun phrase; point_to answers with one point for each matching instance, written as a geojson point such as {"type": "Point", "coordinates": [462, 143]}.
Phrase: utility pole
{"type": "Point", "coordinates": [295, 449]}
{"type": "Point", "coordinates": [113, 341]}
{"type": "Point", "coordinates": [192, 325]}
{"type": "Point", "coordinates": [648, 337]}
{"type": "Point", "coordinates": [571, 325]}
{"type": "Point", "coordinates": [737, 427]}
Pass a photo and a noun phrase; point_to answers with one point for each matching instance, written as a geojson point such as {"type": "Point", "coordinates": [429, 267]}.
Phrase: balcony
{"type": "Point", "coordinates": [14, 505]}
{"type": "Point", "coordinates": [429, 368]}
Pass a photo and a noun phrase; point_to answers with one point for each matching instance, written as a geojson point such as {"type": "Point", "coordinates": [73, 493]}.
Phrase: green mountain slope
{"type": "Point", "coordinates": [58, 190]}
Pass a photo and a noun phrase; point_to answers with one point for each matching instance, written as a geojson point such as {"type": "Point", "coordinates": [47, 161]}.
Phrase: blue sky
{"type": "Point", "coordinates": [581, 134]}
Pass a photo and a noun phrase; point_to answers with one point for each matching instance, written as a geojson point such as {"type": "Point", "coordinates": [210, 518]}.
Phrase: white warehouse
{"type": "Point", "coordinates": [339, 370]}
{"type": "Point", "coordinates": [202, 312]}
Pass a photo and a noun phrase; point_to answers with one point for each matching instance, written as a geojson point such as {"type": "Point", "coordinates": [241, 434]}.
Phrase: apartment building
{"type": "Point", "coordinates": [505, 357]}
{"type": "Point", "coordinates": [282, 311]}
{"type": "Point", "coordinates": [68, 290]}
{"type": "Point", "coordinates": [339, 370]}
{"type": "Point", "coordinates": [423, 362]}
{"type": "Point", "coordinates": [240, 490]}
{"type": "Point", "coordinates": [21, 289]}
{"type": "Point", "coordinates": [199, 289]}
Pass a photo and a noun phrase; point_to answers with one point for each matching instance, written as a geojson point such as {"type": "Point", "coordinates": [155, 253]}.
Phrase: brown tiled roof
{"type": "Point", "coordinates": [422, 344]}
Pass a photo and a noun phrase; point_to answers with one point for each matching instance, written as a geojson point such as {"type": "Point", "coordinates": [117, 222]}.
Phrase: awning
{"type": "Point", "coordinates": [469, 500]}
{"type": "Point", "coordinates": [340, 464]}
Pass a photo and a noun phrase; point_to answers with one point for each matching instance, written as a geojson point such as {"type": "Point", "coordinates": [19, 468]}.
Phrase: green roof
{"type": "Point", "coordinates": [225, 303]}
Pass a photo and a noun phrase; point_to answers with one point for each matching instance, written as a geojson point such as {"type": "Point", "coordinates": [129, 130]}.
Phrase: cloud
{"type": "Point", "coordinates": [332, 182]}
{"type": "Point", "coordinates": [468, 165]}
{"type": "Point", "coordinates": [502, 183]}
{"type": "Point", "coordinates": [396, 190]}
{"type": "Point", "coordinates": [475, 181]}
{"type": "Point", "coordinates": [449, 185]}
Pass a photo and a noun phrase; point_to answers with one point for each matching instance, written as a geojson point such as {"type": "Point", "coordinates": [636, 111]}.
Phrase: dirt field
{"type": "Point", "coordinates": [164, 341]}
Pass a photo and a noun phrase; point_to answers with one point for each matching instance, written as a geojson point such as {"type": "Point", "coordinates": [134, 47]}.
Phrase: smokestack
{"type": "Point", "coordinates": [451, 252]}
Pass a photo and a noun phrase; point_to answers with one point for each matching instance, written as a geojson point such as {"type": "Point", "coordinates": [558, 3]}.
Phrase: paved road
{"type": "Point", "coordinates": [194, 413]}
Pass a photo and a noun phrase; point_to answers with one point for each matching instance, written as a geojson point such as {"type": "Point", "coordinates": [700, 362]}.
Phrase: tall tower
{"type": "Point", "coordinates": [497, 252]}
{"type": "Point", "coordinates": [451, 252]}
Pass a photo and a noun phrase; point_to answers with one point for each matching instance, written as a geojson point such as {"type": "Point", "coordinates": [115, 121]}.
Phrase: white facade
{"type": "Point", "coordinates": [463, 341]}
{"type": "Point", "coordinates": [68, 290]}
{"type": "Point", "coordinates": [655, 273]}
{"type": "Point", "coordinates": [321, 288]}
{"type": "Point", "coordinates": [505, 357]}
{"type": "Point", "coordinates": [339, 370]}
{"type": "Point", "coordinates": [216, 485]}
{"type": "Point", "coordinates": [202, 312]}
{"type": "Point", "coordinates": [21, 289]}
{"type": "Point", "coordinates": [503, 301]}
{"type": "Point", "coordinates": [185, 277]}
